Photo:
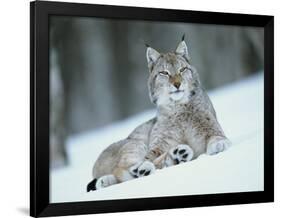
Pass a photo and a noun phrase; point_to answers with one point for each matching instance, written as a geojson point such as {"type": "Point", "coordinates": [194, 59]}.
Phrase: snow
{"type": "Point", "coordinates": [239, 108]}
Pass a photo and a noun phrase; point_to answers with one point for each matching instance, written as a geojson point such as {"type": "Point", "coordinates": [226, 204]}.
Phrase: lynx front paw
{"type": "Point", "coordinates": [179, 154]}
{"type": "Point", "coordinates": [142, 169]}
{"type": "Point", "coordinates": [217, 145]}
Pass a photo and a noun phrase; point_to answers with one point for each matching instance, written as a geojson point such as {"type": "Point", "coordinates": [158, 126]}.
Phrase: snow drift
{"type": "Point", "coordinates": [239, 108]}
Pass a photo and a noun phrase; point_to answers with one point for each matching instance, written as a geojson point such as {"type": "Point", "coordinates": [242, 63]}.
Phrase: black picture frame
{"type": "Point", "coordinates": [40, 11]}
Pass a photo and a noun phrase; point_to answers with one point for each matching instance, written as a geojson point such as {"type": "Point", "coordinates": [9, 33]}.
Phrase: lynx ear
{"type": "Point", "coordinates": [152, 56]}
{"type": "Point", "coordinates": [182, 50]}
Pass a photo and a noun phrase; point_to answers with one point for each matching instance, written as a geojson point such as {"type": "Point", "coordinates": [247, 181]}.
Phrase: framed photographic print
{"type": "Point", "coordinates": [142, 109]}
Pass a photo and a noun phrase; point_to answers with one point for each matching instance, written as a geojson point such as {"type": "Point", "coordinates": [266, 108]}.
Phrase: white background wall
{"type": "Point", "coordinates": [14, 110]}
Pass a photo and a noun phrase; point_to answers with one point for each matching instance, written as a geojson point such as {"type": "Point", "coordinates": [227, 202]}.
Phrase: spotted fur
{"type": "Point", "coordinates": [185, 126]}
{"type": "Point", "coordinates": [185, 114]}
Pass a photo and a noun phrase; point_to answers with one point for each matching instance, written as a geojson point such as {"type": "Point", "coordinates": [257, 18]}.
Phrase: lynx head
{"type": "Point", "coordinates": [172, 79]}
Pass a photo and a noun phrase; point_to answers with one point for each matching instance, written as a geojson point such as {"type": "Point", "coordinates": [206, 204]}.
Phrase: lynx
{"type": "Point", "coordinates": [185, 126]}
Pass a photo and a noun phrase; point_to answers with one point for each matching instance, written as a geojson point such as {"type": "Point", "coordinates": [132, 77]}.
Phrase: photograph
{"type": "Point", "coordinates": [140, 108]}
{"type": "Point", "coordinates": [145, 109]}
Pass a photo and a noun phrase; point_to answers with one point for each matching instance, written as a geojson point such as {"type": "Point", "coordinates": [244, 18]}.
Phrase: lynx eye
{"type": "Point", "coordinates": [183, 69]}
{"type": "Point", "coordinates": [164, 73]}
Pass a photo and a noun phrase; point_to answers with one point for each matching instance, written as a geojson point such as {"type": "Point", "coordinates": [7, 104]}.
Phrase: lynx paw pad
{"type": "Point", "coordinates": [179, 154]}
{"type": "Point", "coordinates": [142, 169]}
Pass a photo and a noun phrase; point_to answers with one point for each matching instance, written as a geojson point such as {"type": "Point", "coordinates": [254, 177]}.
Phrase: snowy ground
{"type": "Point", "coordinates": [239, 108]}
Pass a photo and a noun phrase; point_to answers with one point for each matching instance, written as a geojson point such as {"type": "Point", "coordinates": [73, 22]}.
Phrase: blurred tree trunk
{"type": "Point", "coordinates": [58, 154]}
{"type": "Point", "coordinates": [120, 49]}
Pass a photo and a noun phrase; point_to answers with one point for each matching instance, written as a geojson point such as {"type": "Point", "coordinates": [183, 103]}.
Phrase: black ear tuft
{"type": "Point", "coordinates": [182, 38]}
{"type": "Point", "coordinates": [92, 185]}
{"type": "Point", "coordinates": [147, 45]}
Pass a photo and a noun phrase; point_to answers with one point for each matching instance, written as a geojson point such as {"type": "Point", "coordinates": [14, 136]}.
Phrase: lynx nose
{"type": "Point", "coordinates": [176, 81]}
{"type": "Point", "coordinates": [177, 84]}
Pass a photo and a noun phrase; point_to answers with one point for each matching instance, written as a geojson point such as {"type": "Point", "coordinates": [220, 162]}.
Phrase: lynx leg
{"type": "Point", "coordinates": [159, 162]}
{"type": "Point", "coordinates": [122, 174]}
{"type": "Point", "coordinates": [217, 144]}
{"type": "Point", "coordinates": [132, 164]}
